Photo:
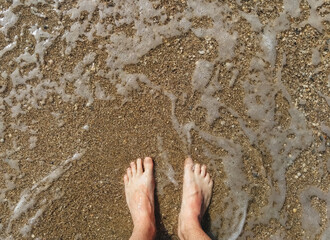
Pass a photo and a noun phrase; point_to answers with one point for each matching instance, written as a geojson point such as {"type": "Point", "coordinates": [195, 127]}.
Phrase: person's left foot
{"type": "Point", "coordinates": [139, 191]}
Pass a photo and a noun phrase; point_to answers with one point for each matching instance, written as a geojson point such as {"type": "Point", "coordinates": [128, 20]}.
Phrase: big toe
{"type": "Point", "coordinates": [148, 165]}
{"type": "Point", "coordinates": [188, 164]}
{"type": "Point", "coordinates": [188, 168]}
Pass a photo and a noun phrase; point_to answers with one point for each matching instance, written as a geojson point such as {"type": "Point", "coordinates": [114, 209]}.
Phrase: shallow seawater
{"type": "Point", "coordinates": [87, 86]}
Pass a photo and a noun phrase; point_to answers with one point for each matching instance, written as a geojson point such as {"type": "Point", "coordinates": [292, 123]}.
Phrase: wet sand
{"type": "Point", "coordinates": [162, 113]}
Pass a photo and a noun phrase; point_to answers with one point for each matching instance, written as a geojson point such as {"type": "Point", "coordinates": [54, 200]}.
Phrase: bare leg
{"type": "Point", "coordinates": [197, 191]}
{"type": "Point", "coordinates": [139, 191]}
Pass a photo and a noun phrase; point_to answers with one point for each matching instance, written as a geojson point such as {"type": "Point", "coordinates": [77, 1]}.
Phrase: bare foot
{"type": "Point", "coordinates": [139, 191]}
{"type": "Point", "coordinates": [197, 191]}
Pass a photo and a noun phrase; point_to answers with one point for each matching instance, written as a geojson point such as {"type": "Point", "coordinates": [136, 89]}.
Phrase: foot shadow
{"type": "Point", "coordinates": [162, 233]}
{"type": "Point", "coordinates": [206, 225]}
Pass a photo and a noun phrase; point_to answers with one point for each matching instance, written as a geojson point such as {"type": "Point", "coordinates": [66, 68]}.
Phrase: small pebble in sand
{"type": "Point", "coordinates": [50, 99]}
{"type": "Point", "coordinates": [298, 175]}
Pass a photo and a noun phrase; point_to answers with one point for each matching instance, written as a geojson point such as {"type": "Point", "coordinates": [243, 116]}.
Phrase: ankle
{"type": "Point", "coordinates": [145, 229]}
{"type": "Point", "coordinates": [187, 224]}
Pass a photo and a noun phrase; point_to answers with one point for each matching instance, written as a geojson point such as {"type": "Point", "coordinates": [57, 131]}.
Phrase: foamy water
{"type": "Point", "coordinates": [25, 88]}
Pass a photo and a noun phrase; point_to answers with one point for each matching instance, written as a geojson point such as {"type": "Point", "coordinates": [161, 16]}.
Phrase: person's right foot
{"type": "Point", "coordinates": [197, 191]}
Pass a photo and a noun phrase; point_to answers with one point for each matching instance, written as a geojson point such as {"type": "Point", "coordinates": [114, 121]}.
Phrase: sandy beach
{"type": "Point", "coordinates": [87, 86]}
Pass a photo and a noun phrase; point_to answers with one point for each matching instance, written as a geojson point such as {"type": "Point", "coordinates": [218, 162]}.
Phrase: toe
{"type": "Point", "coordinates": [129, 173]}
{"type": "Point", "coordinates": [133, 167]}
{"type": "Point", "coordinates": [125, 179]}
{"type": "Point", "coordinates": [139, 167]}
{"type": "Point", "coordinates": [197, 169]}
{"type": "Point", "coordinates": [188, 164]}
{"type": "Point", "coordinates": [211, 183]}
{"type": "Point", "coordinates": [207, 178]}
{"type": "Point", "coordinates": [148, 165]}
{"type": "Point", "coordinates": [203, 171]}
{"type": "Point", "coordinates": [188, 170]}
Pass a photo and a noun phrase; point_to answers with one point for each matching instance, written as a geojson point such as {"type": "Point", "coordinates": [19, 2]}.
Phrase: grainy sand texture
{"type": "Point", "coordinates": [87, 86]}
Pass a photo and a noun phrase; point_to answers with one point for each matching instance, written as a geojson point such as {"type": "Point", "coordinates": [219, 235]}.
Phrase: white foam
{"type": "Point", "coordinates": [234, 77]}
{"type": "Point", "coordinates": [283, 149]}
{"type": "Point", "coordinates": [219, 31]}
{"type": "Point", "coordinates": [9, 19]}
{"type": "Point", "coordinates": [165, 168]}
{"type": "Point", "coordinates": [311, 219]}
{"type": "Point", "coordinates": [292, 7]}
{"type": "Point", "coordinates": [8, 48]}
{"type": "Point", "coordinates": [83, 5]}
{"type": "Point", "coordinates": [268, 37]}
{"type": "Point", "coordinates": [268, 43]}
{"type": "Point", "coordinates": [73, 35]}
{"type": "Point", "coordinates": [26, 229]}
{"type": "Point", "coordinates": [44, 41]}
{"type": "Point", "coordinates": [316, 57]}
{"type": "Point", "coordinates": [128, 85]}
{"type": "Point", "coordinates": [326, 98]}
{"type": "Point", "coordinates": [14, 164]}
{"type": "Point", "coordinates": [16, 110]}
{"type": "Point", "coordinates": [2, 127]}
{"type": "Point", "coordinates": [324, 128]}
{"type": "Point", "coordinates": [211, 103]}
{"type": "Point", "coordinates": [201, 75]}
{"type": "Point", "coordinates": [315, 19]}
{"type": "Point", "coordinates": [253, 20]}
{"type": "Point", "coordinates": [29, 197]}
{"type": "Point", "coordinates": [33, 142]}
{"type": "Point", "coordinates": [326, 234]}
{"type": "Point", "coordinates": [99, 93]}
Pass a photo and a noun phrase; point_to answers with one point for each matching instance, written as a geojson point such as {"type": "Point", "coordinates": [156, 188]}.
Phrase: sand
{"type": "Point", "coordinates": [125, 100]}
